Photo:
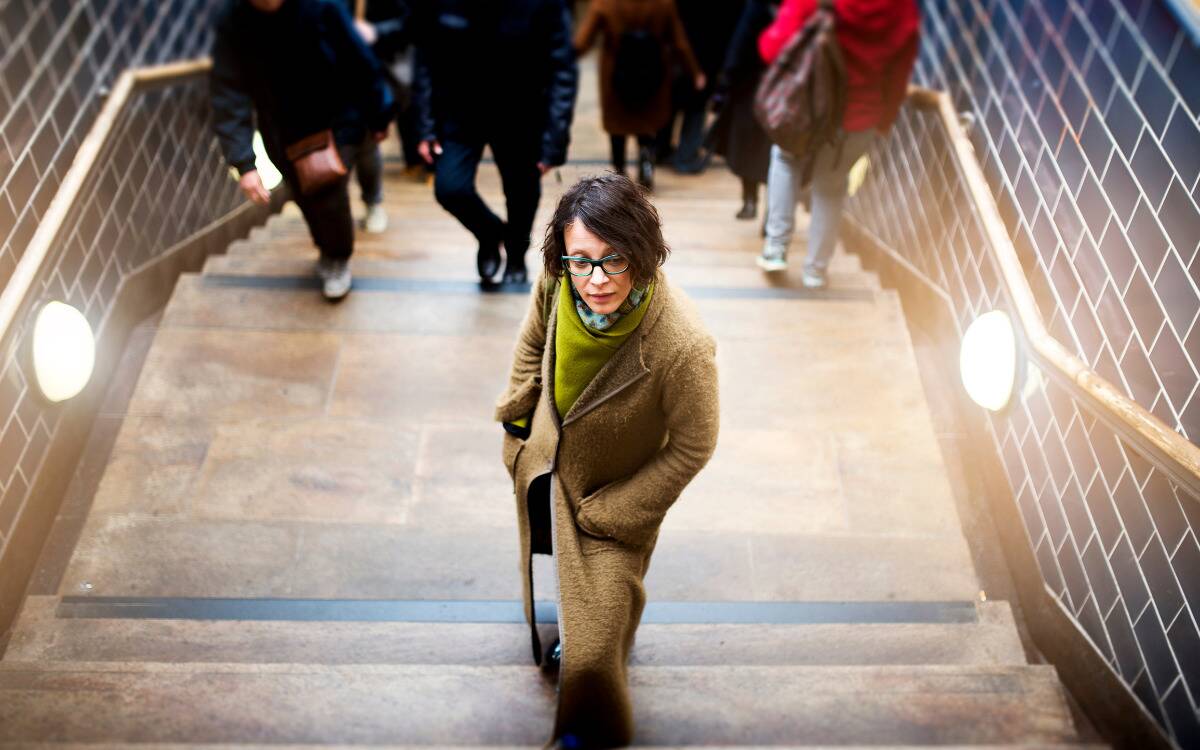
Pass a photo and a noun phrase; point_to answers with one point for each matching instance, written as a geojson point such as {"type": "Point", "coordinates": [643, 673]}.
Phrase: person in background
{"type": "Point", "coordinates": [385, 31]}
{"type": "Point", "coordinates": [296, 69]}
{"type": "Point", "coordinates": [500, 74]}
{"type": "Point", "coordinates": [635, 85]}
{"type": "Point", "coordinates": [709, 27]}
{"type": "Point", "coordinates": [736, 135]}
{"type": "Point", "coordinates": [878, 39]}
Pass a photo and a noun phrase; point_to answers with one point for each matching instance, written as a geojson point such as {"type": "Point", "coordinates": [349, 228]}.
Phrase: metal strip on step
{"type": "Point", "coordinates": [440, 286]}
{"type": "Point", "coordinates": [493, 611]}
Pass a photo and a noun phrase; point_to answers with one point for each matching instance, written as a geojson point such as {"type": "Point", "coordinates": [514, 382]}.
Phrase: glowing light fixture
{"type": "Point", "coordinates": [64, 351]}
{"type": "Point", "coordinates": [988, 360]}
{"type": "Point", "coordinates": [267, 172]}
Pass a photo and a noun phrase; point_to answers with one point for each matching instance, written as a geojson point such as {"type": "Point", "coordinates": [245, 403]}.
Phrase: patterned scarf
{"type": "Point", "coordinates": [600, 321]}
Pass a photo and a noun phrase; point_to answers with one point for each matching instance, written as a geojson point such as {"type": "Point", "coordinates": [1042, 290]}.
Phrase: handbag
{"type": "Point", "coordinates": [316, 161]}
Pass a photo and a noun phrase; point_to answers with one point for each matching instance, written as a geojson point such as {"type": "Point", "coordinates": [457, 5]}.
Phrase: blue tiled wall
{"type": "Point", "coordinates": [1085, 121]}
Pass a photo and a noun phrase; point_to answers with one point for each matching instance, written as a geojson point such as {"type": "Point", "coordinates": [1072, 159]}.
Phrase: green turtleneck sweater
{"type": "Point", "coordinates": [580, 352]}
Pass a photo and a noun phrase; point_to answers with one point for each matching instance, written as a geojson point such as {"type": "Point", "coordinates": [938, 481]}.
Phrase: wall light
{"type": "Point", "coordinates": [988, 360]}
{"type": "Point", "coordinates": [64, 351]}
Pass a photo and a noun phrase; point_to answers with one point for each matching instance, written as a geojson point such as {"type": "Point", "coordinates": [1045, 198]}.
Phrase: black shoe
{"type": "Point", "coordinates": [646, 169]}
{"type": "Point", "coordinates": [553, 658]}
{"type": "Point", "coordinates": [487, 260]}
{"type": "Point", "coordinates": [515, 274]}
{"type": "Point", "coordinates": [749, 210]}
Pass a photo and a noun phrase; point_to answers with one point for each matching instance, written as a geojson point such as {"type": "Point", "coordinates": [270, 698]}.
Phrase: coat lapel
{"type": "Point", "coordinates": [626, 366]}
{"type": "Point", "coordinates": [621, 371]}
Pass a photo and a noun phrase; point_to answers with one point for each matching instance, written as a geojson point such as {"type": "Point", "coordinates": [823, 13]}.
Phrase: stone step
{"type": "Point", "coordinates": [40, 635]}
{"type": "Point", "coordinates": [441, 245]}
{"type": "Point", "coordinates": [460, 267]}
{"type": "Point", "coordinates": [421, 705]}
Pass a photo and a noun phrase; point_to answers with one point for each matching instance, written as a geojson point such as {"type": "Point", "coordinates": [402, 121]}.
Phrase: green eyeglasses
{"type": "Point", "coordinates": [610, 264]}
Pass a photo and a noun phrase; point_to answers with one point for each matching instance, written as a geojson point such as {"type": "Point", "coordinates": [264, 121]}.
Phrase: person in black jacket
{"type": "Point", "coordinates": [736, 135]}
{"type": "Point", "coordinates": [295, 68]}
{"type": "Point", "coordinates": [498, 73]}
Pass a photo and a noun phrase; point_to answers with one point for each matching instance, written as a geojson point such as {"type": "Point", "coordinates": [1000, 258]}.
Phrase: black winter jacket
{"type": "Point", "coordinates": [495, 66]}
{"type": "Point", "coordinates": [297, 71]}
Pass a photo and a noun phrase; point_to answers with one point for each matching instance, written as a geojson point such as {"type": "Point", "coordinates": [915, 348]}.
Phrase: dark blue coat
{"type": "Point", "coordinates": [297, 71]}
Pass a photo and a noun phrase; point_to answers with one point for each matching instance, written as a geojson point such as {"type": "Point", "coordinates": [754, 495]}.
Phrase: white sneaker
{"type": "Point", "coordinates": [335, 278]}
{"type": "Point", "coordinates": [771, 264]}
{"type": "Point", "coordinates": [814, 279]}
{"type": "Point", "coordinates": [377, 219]}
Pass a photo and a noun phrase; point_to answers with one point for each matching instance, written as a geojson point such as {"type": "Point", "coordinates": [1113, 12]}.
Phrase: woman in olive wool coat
{"type": "Point", "coordinates": [614, 390]}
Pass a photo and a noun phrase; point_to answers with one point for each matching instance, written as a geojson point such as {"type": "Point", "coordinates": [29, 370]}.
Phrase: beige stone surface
{"type": "Point", "coordinates": [236, 374]}
{"type": "Point", "coordinates": [846, 705]}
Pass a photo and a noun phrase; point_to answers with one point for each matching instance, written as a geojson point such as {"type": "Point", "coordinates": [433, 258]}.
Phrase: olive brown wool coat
{"type": "Point", "coordinates": [639, 432]}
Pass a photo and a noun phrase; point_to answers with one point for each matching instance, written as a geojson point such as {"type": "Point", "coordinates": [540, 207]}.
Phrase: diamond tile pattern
{"type": "Point", "coordinates": [162, 177]}
{"type": "Point", "coordinates": [1086, 126]}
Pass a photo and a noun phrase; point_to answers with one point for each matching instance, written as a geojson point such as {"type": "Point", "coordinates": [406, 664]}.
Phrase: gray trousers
{"type": "Point", "coordinates": [830, 173]}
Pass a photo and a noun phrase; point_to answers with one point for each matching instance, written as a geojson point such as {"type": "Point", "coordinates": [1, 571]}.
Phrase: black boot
{"type": "Point", "coordinates": [646, 168]}
{"type": "Point", "coordinates": [749, 209]}
{"type": "Point", "coordinates": [487, 259]}
{"type": "Point", "coordinates": [514, 269]}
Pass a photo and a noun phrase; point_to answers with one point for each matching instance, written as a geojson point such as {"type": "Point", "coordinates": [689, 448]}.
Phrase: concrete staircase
{"type": "Point", "coordinates": [279, 449]}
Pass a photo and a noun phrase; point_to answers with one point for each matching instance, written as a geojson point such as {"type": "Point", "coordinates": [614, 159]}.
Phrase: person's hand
{"type": "Point", "coordinates": [701, 81]}
{"type": "Point", "coordinates": [366, 30]}
{"type": "Point", "coordinates": [252, 185]}
{"type": "Point", "coordinates": [429, 149]}
{"type": "Point", "coordinates": [379, 137]}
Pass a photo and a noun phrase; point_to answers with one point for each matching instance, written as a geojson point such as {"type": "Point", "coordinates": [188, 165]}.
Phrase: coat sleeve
{"type": "Point", "coordinates": [896, 85]}
{"type": "Point", "coordinates": [679, 40]}
{"type": "Point", "coordinates": [422, 95]}
{"type": "Point", "coordinates": [630, 510]}
{"type": "Point", "coordinates": [525, 379]}
{"type": "Point", "coordinates": [562, 86]}
{"type": "Point", "coordinates": [585, 37]}
{"type": "Point", "coordinates": [792, 15]}
{"type": "Point", "coordinates": [361, 67]}
{"type": "Point", "coordinates": [233, 109]}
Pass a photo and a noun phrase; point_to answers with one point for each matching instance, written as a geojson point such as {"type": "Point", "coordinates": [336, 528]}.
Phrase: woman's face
{"type": "Point", "coordinates": [602, 293]}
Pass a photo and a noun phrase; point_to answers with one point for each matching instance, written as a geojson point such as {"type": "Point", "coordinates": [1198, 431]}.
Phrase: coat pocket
{"type": "Point", "coordinates": [510, 452]}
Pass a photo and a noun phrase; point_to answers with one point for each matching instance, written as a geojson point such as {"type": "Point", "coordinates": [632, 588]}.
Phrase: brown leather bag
{"type": "Point", "coordinates": [316, 161]}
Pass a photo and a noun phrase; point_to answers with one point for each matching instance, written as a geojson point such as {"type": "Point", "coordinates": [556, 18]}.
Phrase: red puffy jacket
{"type": "Point", "coordinates": [879, 42]}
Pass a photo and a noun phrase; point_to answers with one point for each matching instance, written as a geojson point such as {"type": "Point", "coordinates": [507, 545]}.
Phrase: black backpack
{"type": "Point", "coordinates": [638, 69]}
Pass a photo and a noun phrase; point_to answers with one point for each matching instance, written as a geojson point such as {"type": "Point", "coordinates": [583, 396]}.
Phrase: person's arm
{"type": "Point", "coordinates": [679, 40]}
{"type": "Point", "coordinates": [564, 82]}
{"type": "Point", "coordinates": [361, 67]}
{"type": "Point", "coordinates": [233, 109]}
{"type": "Point", "coordinates": [525, 379]}
{"type": "Point", "coordinates": [792, 15]}
{"type": "Point", "coordinates": [896, 84]}
{"type": "Point", "coordinates": [585, 37]}
{"type": "Point", "coordinates": [631, 510]}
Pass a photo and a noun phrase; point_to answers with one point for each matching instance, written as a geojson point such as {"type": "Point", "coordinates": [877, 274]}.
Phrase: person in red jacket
{"type": "Point", "coordinates": [878, 39]}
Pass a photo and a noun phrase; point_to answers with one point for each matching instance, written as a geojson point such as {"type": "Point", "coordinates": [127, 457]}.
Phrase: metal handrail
{"type": "Point", "coordinates": [1166, 448]}
{"type": "Point", "coordinates": [30, 263]}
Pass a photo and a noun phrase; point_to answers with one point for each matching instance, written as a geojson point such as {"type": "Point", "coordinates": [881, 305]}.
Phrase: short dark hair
{"type": "Point", "coordinates": [617, 211]}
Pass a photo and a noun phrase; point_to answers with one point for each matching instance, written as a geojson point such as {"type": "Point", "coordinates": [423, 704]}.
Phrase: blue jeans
{"type": "Point", "coordinates": [829, 181]}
